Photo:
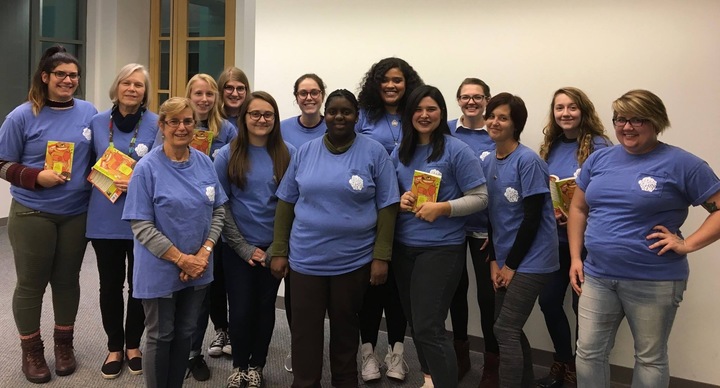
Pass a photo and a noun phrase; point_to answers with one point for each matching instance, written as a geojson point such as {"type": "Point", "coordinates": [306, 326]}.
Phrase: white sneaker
{"type": "Point", "coordinates": [288, 362]}
{"type": "Point", "coordinates": [238, 379]}
{"type": "Point", "coordinates": [227, 348]}
{"type": "Point", "coordinates": [254, 377]}
{"type": "Point", "coordinates": [397, 368]}
{"type": "Point", "coordinates": [370, 363]}
{"type": "Point", "coordinates": [216, 346]}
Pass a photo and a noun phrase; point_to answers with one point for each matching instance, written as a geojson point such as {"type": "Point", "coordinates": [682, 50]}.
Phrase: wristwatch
{"type": "Point", "coordinates": [207, 248]}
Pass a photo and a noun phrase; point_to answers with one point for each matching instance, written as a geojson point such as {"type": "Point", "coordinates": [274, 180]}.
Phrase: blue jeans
{"type": "Point", "coordinates": [427, 278]}
{"type": "Point", "coordinates": [169, 325]}
{"type": "Point", "coordinates": [650, 308]}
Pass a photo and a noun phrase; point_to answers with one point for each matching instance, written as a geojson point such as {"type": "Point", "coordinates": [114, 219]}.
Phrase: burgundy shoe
{"type": "Point", "coordinates": [65, 363]}
{"type": "Point", "coordinates": [491, 374]}
{"type": "Point", "coordinates": [34, 366]}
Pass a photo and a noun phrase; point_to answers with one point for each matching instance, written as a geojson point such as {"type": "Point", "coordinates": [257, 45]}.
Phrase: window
{"type": "Point", "coordinates": [189, 37]}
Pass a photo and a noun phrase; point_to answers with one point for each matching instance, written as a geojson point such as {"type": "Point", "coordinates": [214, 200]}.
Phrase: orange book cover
{"type": "Point", "coordinates": [202, 141]}
{"type": "Point", "coordinates": [59, 157]}
{"type": "Point", "coordinates": [561, 191]}
{"type": "Point", "coordinates": [111, 166]}
{"type": "Point", "coordinates": [425, 186]}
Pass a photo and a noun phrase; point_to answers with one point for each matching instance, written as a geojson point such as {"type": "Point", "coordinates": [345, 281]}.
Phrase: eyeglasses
{"type": "Point", "coordinates": [476, 98]}
{"type": "Point", "coordinates": [313, 93]}
{"type": "Point", "coordinates": [175, 123]}
{"type": "Point", "coordinates": [256, 114]}
{"type": "Point", "coordinates": [230, 89]}
{"type": "Point", "coordinates": [634, 122]}
{"type": "Point", "coordinates": [61, 75]}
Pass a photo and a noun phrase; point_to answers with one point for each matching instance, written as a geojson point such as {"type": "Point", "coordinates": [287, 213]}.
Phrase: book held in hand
{"type": "Point", "coordinates": [561, 191]}
{"type": "Point", "coordinates": [425, 186]}
{"type": "Point", "coordinates": [202, 141]}
{"type": "Point", "coordinates": [59, 157]}
{"type": "Point", "coordinates": [113, 165]}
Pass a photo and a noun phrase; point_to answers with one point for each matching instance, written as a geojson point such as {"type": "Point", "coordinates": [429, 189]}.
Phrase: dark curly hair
{"type": "Point", "coordinates": [369, 97]}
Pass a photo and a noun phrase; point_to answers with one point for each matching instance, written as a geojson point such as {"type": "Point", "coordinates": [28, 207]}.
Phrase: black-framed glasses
{"type": "Point", "coordinates": [634, 122]}
{"type": "Point", "coordinates": [175, 123]}
{"type": "Point", "coordinates": [62, 74]}
{"type": "Point", "coordinates": [239, 89]}
{"type": "Point", "coordinates": [256, 115]}
{"type": "Point", "coordinates": [315, 93]}
{"type": "Point", "coordinates": [476, 97]}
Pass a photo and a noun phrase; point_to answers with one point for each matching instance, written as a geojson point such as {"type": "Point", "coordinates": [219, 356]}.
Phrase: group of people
{"type": "Point", "coordinates": [324, 200]}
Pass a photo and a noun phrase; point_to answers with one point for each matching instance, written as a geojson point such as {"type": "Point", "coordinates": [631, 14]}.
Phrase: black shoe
{"type": "Point", "coordinates": [112, 369]}
{"type": "Point", "coordinates": [135, 365]}
{"type": "Point", "coordinates": [197, 367]}
{"type": "Point", "coordinates": [555, 378]}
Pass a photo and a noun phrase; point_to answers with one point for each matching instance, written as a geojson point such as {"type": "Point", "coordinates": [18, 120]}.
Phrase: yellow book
{"type": "Point", "coordinates": [425, 186]}
{"type": "Point", "coordinates": [59, 157]}
{"type": "Point", "coordinates": [112, 165]}
{"type": "Point", "coordinates": [561, 191]}
{"type": "Point", "coordinates": [202, 141]}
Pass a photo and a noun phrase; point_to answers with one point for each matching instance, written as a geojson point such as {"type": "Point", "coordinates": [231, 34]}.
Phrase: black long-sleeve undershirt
{"type": "Point", "coordinates": [532, 215]}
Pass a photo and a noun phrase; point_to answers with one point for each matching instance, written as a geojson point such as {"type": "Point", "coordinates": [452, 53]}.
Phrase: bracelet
{"type": "Point", "coordinates": [178, 258]}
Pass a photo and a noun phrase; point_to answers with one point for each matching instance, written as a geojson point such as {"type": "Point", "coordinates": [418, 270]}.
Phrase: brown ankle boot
{"type": "Point", "coordinates": [491, 376]}
{"type": "Point", "coordinates": [65, 363]}
{"type": "Point", "coordinates": [34, 365]}
{"type": "Point", "coordinates": [462, 353]}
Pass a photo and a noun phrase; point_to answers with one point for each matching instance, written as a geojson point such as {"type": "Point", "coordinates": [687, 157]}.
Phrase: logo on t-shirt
{"type": "Point", "coordinates": [435, 171]}
{"type": "Point", "coordinates": [647, 184]}
{"type": "Point", "coordinates": [512, 195]}
{"type": "Point", "coordinates": [576, 174]}
{"type": "Point", "coordinates": [484, 155]}
{"type": "Point", "coordinates": [210, 193]}
{"type": "Point", "coordinates": [356, 183]}
{"type": "Point", "coordinates": [215, 153]}
{"type": "Point", "coordinates": [141, 150]}
{"type": "Point", "coordinates": [87, 133]}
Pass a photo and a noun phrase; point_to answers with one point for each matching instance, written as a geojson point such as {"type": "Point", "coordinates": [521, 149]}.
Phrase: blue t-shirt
{"type": "Point", "coordinates": [627, 196]}
{"type": "Point", "coordinates": [387, 130]}
{"type": "Point", "coordinates": [520, 175]}
{"type": "Point", "coordinates": [297, 134]}
{"type": "Point", "coordinates": [337, 198]}
{"type": "Point", "coordinates": [460, 171]}
{"type": "Point", "coordinates": [482, 145]}
{"type": "Point", "coordinates": [179, 199]}
{"type": "Point", "coordinates": [253, 209]}
{"type": "Point", "coordinates": [24, 138]}
{"type": "Point", "coordinates": [104, 217]}
{"type": "Point", "coordinates": [562, 162]}
{"type": "Point", "coordinates": [227, 133]}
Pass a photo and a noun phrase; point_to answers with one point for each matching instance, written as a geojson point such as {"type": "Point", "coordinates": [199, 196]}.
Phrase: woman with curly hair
{"type": "Point", "coordinates": [572, 133]}
{"type": "Point", "coordinates": [383, 96]}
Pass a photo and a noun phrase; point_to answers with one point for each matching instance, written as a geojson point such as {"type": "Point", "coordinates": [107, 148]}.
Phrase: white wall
{"type": "Point", "coordinates": [530, 48]}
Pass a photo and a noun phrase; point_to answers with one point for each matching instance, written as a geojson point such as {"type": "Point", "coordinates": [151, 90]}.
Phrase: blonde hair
{"type": "Point", "coordinates": [173, 106]}
{"type": "Point", "coordinates": [644, 104]}
{"type": "Point", "coordinates": [590, 125]}
{"type": "Point", "coordinates": [214, 117]}
{"type": "Point", "coordinates": [125, 72]}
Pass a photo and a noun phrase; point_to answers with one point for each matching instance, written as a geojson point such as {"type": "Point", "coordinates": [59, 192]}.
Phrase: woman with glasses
{"type": "Point", "coordinates": [250, 168]}
{"type": "Point", "coordinates": [205, 97]}
{"type": "Point", "coordinates": [334, 227]}
{"type": "Point", "coordinates": [572, 133]}
{"type": "Point", "coordinates": [522, 235]}
{"type": "Point", "coordinates": [472, 97]}
{"type": "Point", "coordinates": [127, 127]}
{"type": "Point", "coordinates": [174, 205]}
{"type": "Point", "coordinates": [235, 86]}
{"type": "Point", "coordinates": [383, 97]}
{"type": "Point", "coordinates": [627, 211]}
{"type": "Point", "coordinates": [429, 251]}
{"type": "Point", "coordinates": [309, 92]}
{"type": "Point", "coordinates": [45, 154]}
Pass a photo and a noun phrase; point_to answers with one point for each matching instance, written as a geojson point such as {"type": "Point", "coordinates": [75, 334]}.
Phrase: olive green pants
{"type": "Point", "coordinates": [48, 248]}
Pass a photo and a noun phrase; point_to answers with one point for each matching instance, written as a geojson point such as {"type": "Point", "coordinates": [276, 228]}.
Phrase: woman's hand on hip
{"type": "Point", "coordinates": [668, 241]}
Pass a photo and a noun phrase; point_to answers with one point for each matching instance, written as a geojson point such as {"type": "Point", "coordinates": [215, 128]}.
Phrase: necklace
{"type": "Point", "coordinates": [393, 124]}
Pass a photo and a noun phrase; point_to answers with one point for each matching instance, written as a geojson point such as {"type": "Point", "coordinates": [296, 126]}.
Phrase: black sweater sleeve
{"type": "Point", "coordinates": [532, 209]}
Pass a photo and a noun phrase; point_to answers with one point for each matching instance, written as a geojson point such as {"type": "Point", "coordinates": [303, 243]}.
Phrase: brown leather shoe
{"type": "Point", "coordinates": [491, 375]}
{"type": "Point", "coordinates": [34, 366]}
{"type": "Point", "coordinates": [462, 353]}
{"type": "Point", "coordinates": [65, 363]}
